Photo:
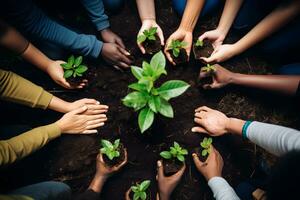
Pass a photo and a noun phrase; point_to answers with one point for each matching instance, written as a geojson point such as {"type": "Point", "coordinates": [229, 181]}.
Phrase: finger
{"type": "Point", "coordinates": [198, 121]}
{"type": "Point", "coordinates": [65, 84]}
{"type": "Point", "coordinates": [125, 160]}
{"type": "Point", "coordinates": [141, 48]}
{"type": "Point", "coordinates": [207, 86]}
{"type": "Point", "coordinates": [160, 169]}
{"type": "Point", "coordinates": [95, 122]}
{"type": "Point", "coordinates": [90, 132]}
{"type": "Point", "coordinates": [95, 126]}
{"type": "Point", "coordinates": [188, 50]}
{"type": "Point", "coordinates": [203, 74]}
{"type": "Point", "coordinates": [90, 101]}
{"type": "Point", "coordinates": [85, 81]}
{"type": "Point", "coordinates": [124, 52]}
{"type": "Point", "coordinates": [122, 65]}
{"type": "Point", "coordinates": [93, 117]}
{"type": "Point", "coordinates": [169, 57]}
{"type": "Point", "coordinates": [203, 36]}
{"type": "Point", "coordinates": [198, 129]}
{"type": "Point", "coordinates": [200, 114]}
{"type": "Point", "coordinates": [161, 36]}
{"type": "Point", "coordinates": [203, 108]}
{"type": "Point", "coordinates": [181, 171]}
{"type": "Point", "coordinates": [79, 110]}
{"type": "Point", "coordinates": [197, 161]}
{"type": "Point", "coordinates": [97, 107]}
{"type": "Point", "coordinates": [119, 41]}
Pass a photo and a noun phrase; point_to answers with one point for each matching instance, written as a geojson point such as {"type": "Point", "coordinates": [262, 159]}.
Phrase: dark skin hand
{"type": "Point", "coordinates": [115, 55]}
{"type": "Point", "coordinates": [110, 37]}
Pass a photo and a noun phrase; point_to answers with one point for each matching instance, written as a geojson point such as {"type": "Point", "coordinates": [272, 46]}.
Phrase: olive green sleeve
{"type": "Point", "coordinates": [22, 145]}
{"type": "Point", "coordinates": [15, 197]}
{"type": "Point", "coordinates": [19, 90]}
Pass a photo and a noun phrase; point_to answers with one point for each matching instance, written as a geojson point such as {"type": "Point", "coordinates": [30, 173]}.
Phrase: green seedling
{"type": "Point", "coordinates": [175, 46]}
{"type": "Point", "coordinates": [206, 144]}
{"type": "Point", "coordinates": [109, 149]}
{"type": "Point", "coordinates": [209, 68]}
{"type": "Point", "coordinates": [139, 190]}
{"type": "Point", "coordinates": [147, 35]}
{"type": "Point", "coordinates": [149, 99]}
{"type": "Point", "coordinates": [199, 43]}
{"type": "Point", "coordinates": [74, 67]}
{"type": "Point", "coordinates": [176, 152]}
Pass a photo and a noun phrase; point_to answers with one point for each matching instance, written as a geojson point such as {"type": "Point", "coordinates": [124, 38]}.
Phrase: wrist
{"type": "Point", "coordinates": [234, 126]}
{"type": "Point", "coordinates": [60, 126]}
{"type": "Point", "coordinates": [185, 28]}
{"type": "Point", "coordinates": [97, 183]}
{"type": "Point", "coordinates": [163, 196]}
{"type": "Point", "coordinates": [149, 20]}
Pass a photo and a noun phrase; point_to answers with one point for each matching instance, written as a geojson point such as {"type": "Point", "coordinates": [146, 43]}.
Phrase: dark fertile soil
{"type": "Point", "coordinates": [182, 57]}
{"type": "Point", "coordinates": [204, 51]}
{"type": "Point", "coordinates": [152, 46]}
{"type": "Point", "coordinates": [71, 158]}
{"type": "Point", "coordinates": [171, 166]}
{"type": "Point", "coordinates": [115, 161]}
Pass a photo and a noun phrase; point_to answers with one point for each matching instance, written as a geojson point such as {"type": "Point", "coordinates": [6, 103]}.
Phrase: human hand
{"type": "Point", "coordinates": [182, 35]}
{"type": "Point", "coordinates": [146, 25]}
{"type": "Point", "coordinates": [56, 72]}
{"type": "Point", "coordinates": [221, 77]}
{"type": "Point", "coordinates": [102, 170]}
{"type": "Point", "coordinates": [216, 37]}
{"type": "Point", "coordinates": [212, 167]}
{"type": "Point", "coordinates": [93, 106]}
{"type": "Point", "coordinates": [166, 185]}
{"type": "Point", "coordinates": [110, 37]}
{"type": "Point", "coordinates": [115, 55]}
{"type": "Point", "coordinates": [76, 122]}
{"type": "Point", "coordinates": [210, 121]}
{"type": "Point", "coordinates": [221, 54]}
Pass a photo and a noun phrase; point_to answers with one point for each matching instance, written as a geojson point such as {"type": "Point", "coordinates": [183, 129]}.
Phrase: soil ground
{"type": "Point", "coordinates": [71, 159]}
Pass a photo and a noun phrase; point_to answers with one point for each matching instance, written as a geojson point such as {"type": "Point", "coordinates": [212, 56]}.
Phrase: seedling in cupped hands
{"type": "Point", "coordinates": [139, 191]}
{"type": "Point", "coordinates": [209, 68]}
{"type": "Point", "coordinates": [149, 39]}
{"type": "Point", "coordinates": [199, 43]}
{"type": "Point", "coordinates": [202, 48]}
{"type": "Point", "coordinates": [209, 71]}
{"type": "Point", "coordinates": [74, 67]}
{"type": "Point", "coordinates": [149, 99]}
{"type": "Point", "coordinates": [114, 153]}
{"type": "Point", "coordinates": [171, 158]}
{"type": "Point", "coordinates": [206, 144]}
{"type": "Point", "coordinates": [178, 53]}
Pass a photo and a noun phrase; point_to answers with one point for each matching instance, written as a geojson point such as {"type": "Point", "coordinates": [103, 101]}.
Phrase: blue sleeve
{"type": "Point", "coordinates": [29, 18]}
{"type": "Point", "coordinates": [95, 10]}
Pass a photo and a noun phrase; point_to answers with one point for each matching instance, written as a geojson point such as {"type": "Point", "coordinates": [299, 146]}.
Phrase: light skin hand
{"type": "Point", "coordinates": [216, 37]}
{"type": "Point", "coordinates": [221, 77]}
{"type": "Point", "coordinates": [110, 37]}
{"type": "Point", "coordinates": [181, 35]}
{"type": "Point", "coordinates": [166, 185]}
{"type": "Point", "coordinates": [75, 122]}
{"type": "Point", "coordinates": [146, 25]}
{"type": "Point", "coordinates": [93, 106]}
{"type": "Point", "coordinates": [221, 54]}
{"type": "Point", "coordinates": [212, 167]}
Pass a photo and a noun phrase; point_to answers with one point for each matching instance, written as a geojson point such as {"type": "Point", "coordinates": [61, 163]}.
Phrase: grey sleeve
{"type": "Point", "coordinates": [273, 138]}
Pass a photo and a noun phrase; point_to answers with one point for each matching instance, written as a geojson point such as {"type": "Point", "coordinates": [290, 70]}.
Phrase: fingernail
{"type": "Point", "coordinates": [102, 123]}
{"type": "Point", "coordinates": [98, 102]}
{"type": "Point", "coordinates": [193, 129]}
{"type": "Point", "coordinates": [193, 154]}
{"type": "Point", "coordinates": [158, 163]}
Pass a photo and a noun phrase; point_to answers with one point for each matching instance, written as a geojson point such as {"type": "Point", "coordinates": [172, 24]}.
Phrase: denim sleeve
{"type": "Point", "coordinates": [95, 10]}
{"type": "Point", "coordinates": [28, 18]}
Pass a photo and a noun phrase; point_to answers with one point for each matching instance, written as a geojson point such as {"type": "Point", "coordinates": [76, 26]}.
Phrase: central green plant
{"type": "Point", "coordinates": [199, 43]}
{"type": "Point", "coordinates": [176, 45]}
{"type": "Point", "coordinates": [139, 190]}
{"type": "Point", "coordinates": [209, 68]}
{"type": "Point", "coordinates": [206, 144]}
{"type": "Point", "coordinates": [147, 35]}
{"type": "Point", "coordinates": [149, 99]}
{"type": "Point", "coordinates": [176, 151]}
{"type": "Point", "coordinates": [74, 67]}
{"type": "Point", "coordinates": [109, 149]}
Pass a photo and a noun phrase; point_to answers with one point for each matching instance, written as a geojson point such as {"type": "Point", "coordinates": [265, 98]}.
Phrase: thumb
{"type": "Point", "coordinates": [197, 161]}
{"type": "Point", "coordinates": [65, 84]}
{"type": "Point", "coordinates": [198, 129]}
{"type": "Point", "coordinates": [161, 36]}
{"type": "Point", "coordinates": [79, 110]}
{"type": "Point", "coordinates": [160, 169]}
{"type": "Point", "coordinates": [203, 36]}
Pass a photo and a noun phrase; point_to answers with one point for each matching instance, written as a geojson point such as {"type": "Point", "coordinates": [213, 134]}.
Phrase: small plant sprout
{"type": "Point", "coordinates": [209, 68]}
{"type": "Point", "coordinates": [206, 144]}
{"type": "Point", "coordinates": [199, 43]}
{"type": "Point", "coordinates": [109, 149]}
{"type": "Point", "coordinates": [74, 67]}
{"type": "Point", "coordinates": [175, 46]}
{"type": "Point", "coordinates": [149, 99]}
{"type": "Point", "coordinates": [147, 35]}
{"type": "Point", "coordinates": [139, 190]}
{"type": "Point", "coordinates": [176, 152]}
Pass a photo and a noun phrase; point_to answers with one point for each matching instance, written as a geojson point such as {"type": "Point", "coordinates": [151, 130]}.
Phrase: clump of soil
{"type": "Point", "coordinates": [171, 166]}
{"type": "Point", "coordinates": [116, 161]}
{"type": "Point", "coordinates": [152, 46]}
{"type": "Point", "coordinates": [198, 151]}
{"type": "Point", "coordinates": [208, 79]}
{"type": "Point", "coordinates": [182, 57]}
{"type": "Point", "coordinates": [204, 51]}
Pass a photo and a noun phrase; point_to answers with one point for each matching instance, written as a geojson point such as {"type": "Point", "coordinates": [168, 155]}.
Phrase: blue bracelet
{"type": "Point", "coordinates": [244, 130]}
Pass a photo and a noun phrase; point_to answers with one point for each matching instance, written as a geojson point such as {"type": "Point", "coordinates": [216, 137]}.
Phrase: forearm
{"type": "Point", "coordinates": [191, 14]}
{"type": "Point", "coordinates": [146, 9]}
{"type": "Point", "coordinates": [221, 189]}
{"type": "Point", "coordinates": [273, 22]}
{"type": "Point", "coordinates": [230, 11]}
{"type": "Point", "coordinates": [97, 183]}
{"type": "Point", "coordinates": [277, 83]}
{"type": "Point", "coordinates": [59, 105]}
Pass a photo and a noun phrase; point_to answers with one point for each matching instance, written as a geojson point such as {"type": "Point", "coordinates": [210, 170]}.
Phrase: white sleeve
{"type": "Point", "coordinates": [221, 189]}
{"type": "Point", "coordinates": [273, 138]}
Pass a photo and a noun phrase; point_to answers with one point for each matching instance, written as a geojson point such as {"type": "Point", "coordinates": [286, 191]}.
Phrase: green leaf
{"type": "Point", "coordinates": [209, 141]}
{"type": "Point", "coordinates": [176, 52]}
{"type": "Point", "coordinates": [184, 152]}
{"type": "Point", "coordinates": [158, 60]}
{"type": "Point", "coordinates": [151, 37]}
{"type": "Point", "coordinates": [71, 60]}
{"type": "Point", "coordinates": [173, 88]}
{"type": "Point", "coordinates": [78, 61]}
{"type": "Point", "coordinates": [136, 196]}
{"type": "Point", "coordinates": [143, 195]}
{"type": "Point", "coordinates": [166, 155]}
{"type": "Point", "coordinates": [107, 144]}
{"type": "Point", "coordinates": [68, 73]}
{"type": "Point", "coordinates": [138, 87]}
{"type": "Point", "coordinates": [180, 158]}
{"type": "Point", "coordinates": [199, 43]}
{"type": "Point", "coordinates": [204, 152]}
{"type": "Point", "coordinates": [116, 143]}
{"type": "Point", "coordinates": [152, 30]}
{"type": "Point", "coordinates": [166, 108]}
{"type": "Point", "coordinates": [66, 66]}
{"type": "Point", "coordinates": [141, 38]}
{"type": "Point", "coordinates": [154, 103]}
{"type": "Point", "coordinates": [134, 189]}
{"type": "Point", "coordinates": [176, 145]}
{"type": "Point", "coordinates": [146, 118]}
{"type": "Point", "coordinates": [136, 100]}
{"type": "Point", "coordinates": [148, 69]}
{"type": "Point", "coordinates": [81, 69]}
{"type": "Point", "coordinates": [137, 72]}
{"type": "Point", "coordinates": [144, 185]}
{"type": "Point", "coordinates": [147, 81]}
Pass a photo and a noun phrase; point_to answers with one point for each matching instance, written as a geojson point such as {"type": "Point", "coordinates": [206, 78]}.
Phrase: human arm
{"type": "Point", "coordinates": [283, 84]}
{"type": "Point", "coordinates": [146, 10]}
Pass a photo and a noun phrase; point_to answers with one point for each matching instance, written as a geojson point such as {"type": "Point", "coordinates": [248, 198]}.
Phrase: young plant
{"type": "Point", "coordinates": [176, 152]}
{"type": "Point", "coordinates": [147, 35]}
{"type": "Point", "coordinates": [199, 43]}
{"type": "Point", "coordinates": [109, 149]}
{"type": "Point", "coordinates": [175, 46]}
{"type": "Point", "coordinates": [74, 67]}
{"type": "Point", "coordinates": [205, 144]}
{"type": "Point", "coordinates": [209, 68]}
{"type": "Point", "coordinates": [149, 99]}
{"type": "Point", "coordinates": [139, 190]}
